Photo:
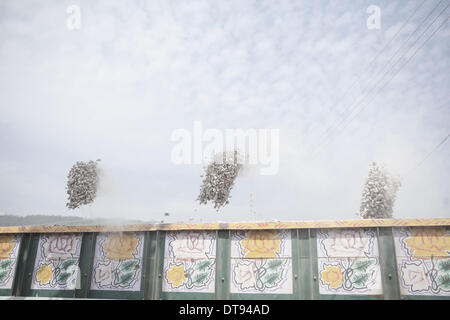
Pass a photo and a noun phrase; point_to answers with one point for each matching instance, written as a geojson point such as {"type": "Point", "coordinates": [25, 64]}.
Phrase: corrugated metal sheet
{"type": "Point", "coordinates": [356, 259]}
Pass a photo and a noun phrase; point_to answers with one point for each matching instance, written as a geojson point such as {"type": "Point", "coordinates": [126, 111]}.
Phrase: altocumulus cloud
{"type": "Point", "coordinates": [134, 72]}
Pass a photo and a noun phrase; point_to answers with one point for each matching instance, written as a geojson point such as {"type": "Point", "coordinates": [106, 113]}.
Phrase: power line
{"type": "Point", "coordinates": [354, 103]}
{"type": "Point", "coordinates": [409, 37]}
{"type": "Point", "coordinates": [330, 138]}
{"type": "Point", "coordinates": [401, 28]}
{"type": "Point", "coordinates": [379, 90]}
{"type": "Point", "coordinates": [429, 154]}
{"type": "Point", "coordinates": [373, 60]}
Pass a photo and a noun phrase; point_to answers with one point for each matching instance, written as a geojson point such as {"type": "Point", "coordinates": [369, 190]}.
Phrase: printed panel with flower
{"type": "Point", "coordinates": [348, 262]}
{"type": "Point", "coordinates": [118, 261]}
{"type": "Point", "coordinates": [189, 261]}
{"type": "Point", "coordinates": [261, 262]}
{"type": "Point", "coordinates": [423, 260]}
{"type": "Point", "coordinates": [56, 264]}
{"type": "Point", "coordinates": [9, 249]}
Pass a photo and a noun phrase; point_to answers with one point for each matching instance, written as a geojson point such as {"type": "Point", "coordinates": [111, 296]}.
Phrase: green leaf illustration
{"type": "Point", "coordinates": [272, 279]}
{"type": "Point", "coordinates": [444, 265]}
{"type": "Point", "coordinates": [129, 265]}
{"type": "Point", "coordinates": [360, 280]}
{"type": "Point", "coordinates": [274, 265]}
{"type": "Point", "coordinates": [126, 278]}
{"type": "Point", "coordinates": [444, 281]}
{"type": "Point", "coordinates": [363, 265]}
{"type": "Point", "coordinates": [5, 264]}
{"type": "Point", "coordinates": [63, 277]}
{"type": "Point", "coordinates": [203, 265]}
{"type": "Point", "coordinates": [200, 279]}
{"type": "Point", "coordinates": [66, 264]}
{"type": "Point", "coordinates": [4, 275]}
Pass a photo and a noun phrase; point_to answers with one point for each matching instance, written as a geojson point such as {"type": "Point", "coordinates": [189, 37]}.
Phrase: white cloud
{"type": "Point", "coordinates": [133, 73]}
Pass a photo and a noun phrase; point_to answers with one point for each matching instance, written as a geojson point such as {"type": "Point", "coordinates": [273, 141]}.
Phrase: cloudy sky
{"type": "Point", "coordinates": [135, 71]}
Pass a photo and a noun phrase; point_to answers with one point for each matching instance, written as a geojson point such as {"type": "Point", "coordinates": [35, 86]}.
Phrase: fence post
{"type": "Point", "coordinates": [388, 263]}
{"type": "Point", "coordinates": [222, 290]}
{"type": "Point", "coordinates": [19, 276]}
{"type": "Point", "coordinates": [305, 271]}
{"type": "Point", "coordinates": [85, 264]}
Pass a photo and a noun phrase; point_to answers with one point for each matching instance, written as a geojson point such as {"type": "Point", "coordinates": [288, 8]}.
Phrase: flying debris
{"type": "Point", "coordinates": [219, 179]}
{"type": "Point", "coordinates": [379, 193]}
{"type": "Point", "coordinates": [82, 182]}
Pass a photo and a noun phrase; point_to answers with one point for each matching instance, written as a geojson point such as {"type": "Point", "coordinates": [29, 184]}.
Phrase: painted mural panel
{"type": "Point", "coordinates": [9, 249]}
{"type": "Point", "coordinates": [118, 261]}
{"type": "Point", "coordinates": [56, 264]}
{"type": "Point", "coordinates": [189, 261]}
{"type": "Point", "coordinates": [348, 262]}
{"type": "Point", "coordinates": [423, 260]}
{"type": "Point", "coordinates": [261, 262]}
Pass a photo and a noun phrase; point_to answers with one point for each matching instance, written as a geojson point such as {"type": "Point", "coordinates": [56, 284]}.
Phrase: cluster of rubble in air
{"type": "Point", "coordinates": [219, 179]}
{"type": "Point", "coordinates": [82, 184]}
{"type": "Point", "coordinates": [379, 193]}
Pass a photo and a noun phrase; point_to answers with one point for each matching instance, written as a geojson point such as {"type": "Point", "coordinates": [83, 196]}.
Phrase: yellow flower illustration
{"type": "Point", "coordinates": [176, 276]}
{"type": "Point", "coordinates": [261, 244]}
{"type": "Point", "coordinates": [7, 244]}
{"type": "Point", "coordinates": [45, 273]}
{"type": "Point", "coordinates": [120, 246]}
{"type": "Point", "coordinates": [332, 276]}
{"type": "Point", "coordinates": [427, 242]}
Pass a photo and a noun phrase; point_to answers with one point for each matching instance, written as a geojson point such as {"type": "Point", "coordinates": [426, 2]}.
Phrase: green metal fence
{"type": "Point", "coordinates": [312, 265]}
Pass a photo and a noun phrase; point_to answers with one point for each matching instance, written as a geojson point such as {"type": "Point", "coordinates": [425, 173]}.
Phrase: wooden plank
{"type": "Point", "coordinates": [233, 226]}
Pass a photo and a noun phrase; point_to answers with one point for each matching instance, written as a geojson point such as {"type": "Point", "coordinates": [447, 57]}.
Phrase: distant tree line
{"type": "Point", "coordinates": [39, 219]}
{"type": "Point", "coordinates": [11, 220]}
